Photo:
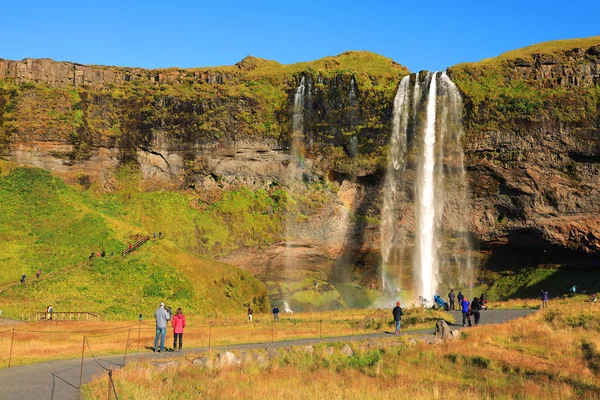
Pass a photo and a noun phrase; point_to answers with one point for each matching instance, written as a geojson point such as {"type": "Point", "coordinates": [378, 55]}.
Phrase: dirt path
{"type": "Point", "coordinates": [60, 379]}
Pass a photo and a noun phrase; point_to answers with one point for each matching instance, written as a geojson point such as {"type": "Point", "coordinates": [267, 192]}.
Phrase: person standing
{"type": "Point", "coordinates": [544, 296]}
{"type": "Point", "coordinates": [460, 298]}
{"type": "Point", "coordinates": [573, 290]}
{"type": "Point", "coordinates": [23, 278]}
{"type": "Point", "coordinates": [39, 273]}
{"type": "Point", "coordinates": [275, 314]}
{"type": "Point", "coordinates": [397, 312]}
{"type": "Point", "coordinates": [49, 311]}
{"type": "Point", "coordinates": [476, 308]}
{"type": "Point", "coordinates": [464, 304]}
{"type": "Point", "coordinates": [250, 312]}
{"type": "Point", "coordinates": [162, 316]}
{"type": "Point", "coordinates": [178, 323]}
{"type": "Point", "coordinates": [451, 298]}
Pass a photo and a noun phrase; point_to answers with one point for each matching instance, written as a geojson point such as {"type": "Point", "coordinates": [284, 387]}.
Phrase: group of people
{"type": "Point", "coordinates": [100, 254]}
{"type": "Point", "coordinates": [453, 298]}
{"type": "Point", "coordinates": [23, 279]}
{"type": "Point", "coordinates": [163, 315]}
{"type": "Point", "coordinates": [469, 309]}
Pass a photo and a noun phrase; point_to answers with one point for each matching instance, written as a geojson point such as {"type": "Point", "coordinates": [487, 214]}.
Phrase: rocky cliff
{"type": "Point", "coordinates": [533, 148]}
{"type": "Point", "coordinates": [532, 144]}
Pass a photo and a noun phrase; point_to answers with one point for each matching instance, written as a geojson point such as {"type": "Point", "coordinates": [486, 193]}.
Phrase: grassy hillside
{"type": "Point", "coordinates": [49, 225]}
{"type": "Point", "coordinates": [529, 282]}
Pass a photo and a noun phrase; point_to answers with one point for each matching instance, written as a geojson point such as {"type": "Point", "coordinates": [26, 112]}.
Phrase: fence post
{"type": "Point", "coordinates": [109, 377]}
{"type": "Point", "coordinates": [81, 370]}
{"type": "Point", "coordinates": [139, 333]}
{"type": "Point", "coordinates": [272, 331]}
{"type": "Point", "coordinates": [127, 346]}
{"type": "Point", "coordinates": [12, 338]}
{"type": "Point", "coordinates": [209, 334]}
{"type": "Point", "coordinates": [321, 328]}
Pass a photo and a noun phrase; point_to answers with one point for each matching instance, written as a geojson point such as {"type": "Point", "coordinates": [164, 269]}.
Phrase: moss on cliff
{"type": "Point", "coordinates": [538, 83]}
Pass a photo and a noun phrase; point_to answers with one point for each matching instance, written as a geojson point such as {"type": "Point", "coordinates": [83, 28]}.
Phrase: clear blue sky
{"type": "Point", "coordinates": [151, 34]}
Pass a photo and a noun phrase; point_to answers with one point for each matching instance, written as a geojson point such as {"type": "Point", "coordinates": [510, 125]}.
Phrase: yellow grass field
{"type": "Point", "coordinates": [50, 340]}
{"type": "Point", "coordinates": [554, 354]}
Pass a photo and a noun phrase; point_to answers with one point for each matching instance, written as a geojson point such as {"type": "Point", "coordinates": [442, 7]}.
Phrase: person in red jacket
{"type": "Point", "coordinates": [178, 323]}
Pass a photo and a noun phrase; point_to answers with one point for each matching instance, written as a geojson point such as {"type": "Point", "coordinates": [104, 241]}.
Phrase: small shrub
{"type": "Point", "coordinates": [480, 362]}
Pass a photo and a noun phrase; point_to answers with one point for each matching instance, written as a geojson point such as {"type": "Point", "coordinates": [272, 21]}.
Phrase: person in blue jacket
{"type": "Point", "coordinates": [466, 313]}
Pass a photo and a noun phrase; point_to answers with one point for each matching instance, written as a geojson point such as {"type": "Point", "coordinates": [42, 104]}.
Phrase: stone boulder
{"type": "Point", "coordinates": [202, 362]}
{"type": "Point", "coordinates": [328, 351]}
{"type": "Point", "coordinates": [226, 360]}
{"type": "Point", "coordinates": [347, 350]}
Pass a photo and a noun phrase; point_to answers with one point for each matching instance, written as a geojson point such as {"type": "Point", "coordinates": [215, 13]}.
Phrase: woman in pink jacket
{"type": "Point", "coordinates": [178, 323]}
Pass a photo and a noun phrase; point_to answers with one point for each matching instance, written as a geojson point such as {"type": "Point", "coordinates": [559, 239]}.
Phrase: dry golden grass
{"type": "Point", "coordinates": [547, 355]}
{"type": "Point", "coordinates": [49, 340]}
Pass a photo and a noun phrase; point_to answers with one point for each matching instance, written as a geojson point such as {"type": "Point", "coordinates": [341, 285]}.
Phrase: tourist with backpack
{"type": "Point", "coordinates": [250, 312]}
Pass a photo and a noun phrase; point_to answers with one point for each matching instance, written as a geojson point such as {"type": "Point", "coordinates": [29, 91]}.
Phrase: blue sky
{"type": "Point", "coordinates": [185, 34]}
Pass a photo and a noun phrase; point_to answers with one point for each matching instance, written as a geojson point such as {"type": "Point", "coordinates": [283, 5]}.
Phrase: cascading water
{"type": "Point", "coordinates": [428, 113]}
{"type": "Point", "coordinates": [426, 207]}
{"type": "Point", "coordinates": [396, 162]}
{"type": "Point", "coordinates": [298, 121]}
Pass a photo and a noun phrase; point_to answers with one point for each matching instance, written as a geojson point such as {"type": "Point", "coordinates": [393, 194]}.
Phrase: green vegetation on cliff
{"type": "Point", "coordinates": [546, 81]}
{"type": "Point", "coordinates": [50, 226]}
{"type": "Point", "coordinates": [248, 101]}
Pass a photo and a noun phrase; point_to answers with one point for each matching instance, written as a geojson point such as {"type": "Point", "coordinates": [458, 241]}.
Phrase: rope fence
{"type": "Point", "coordinates": [29, 344]}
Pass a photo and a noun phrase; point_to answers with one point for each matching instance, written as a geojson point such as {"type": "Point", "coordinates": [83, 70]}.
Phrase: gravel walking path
{"type": "Point", "coordinates": [60, 379]}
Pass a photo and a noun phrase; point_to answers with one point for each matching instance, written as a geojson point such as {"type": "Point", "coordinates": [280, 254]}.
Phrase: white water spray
{"type": "Point", "coordinates": [426, 208]}
{"type": "Point", "coordinates": [298, 121]}
{"type": "Point", "coordinates": [396, 162]}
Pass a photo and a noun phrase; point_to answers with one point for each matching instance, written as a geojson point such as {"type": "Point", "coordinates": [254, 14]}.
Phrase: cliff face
{"type": "Point", "coordinates": [532, 145]}
{"type": "Point", "coordinates": [533, 149]}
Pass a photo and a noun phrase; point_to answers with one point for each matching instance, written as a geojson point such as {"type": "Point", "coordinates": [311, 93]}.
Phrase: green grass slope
{"type": "Point", "coordinates": [46, 224]}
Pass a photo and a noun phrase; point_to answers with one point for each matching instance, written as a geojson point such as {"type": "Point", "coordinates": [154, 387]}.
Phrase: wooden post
{"type": "Point", "coordinates": [272, 330]}
{"type": "Point", "coordinates": [12, 339]}
{"type": "Point", "coordinates": [108, 385]}
{"type": "Point", "coordinates": [126, 346]}
{"type": "Point", "coordinates": [81, 370]}
{"type": "Point", "coordinates": [321, 328]}
{"type": "Point", "coordinates": [139, 333]}
{"type": "Point", "coordinates": [209, 334]}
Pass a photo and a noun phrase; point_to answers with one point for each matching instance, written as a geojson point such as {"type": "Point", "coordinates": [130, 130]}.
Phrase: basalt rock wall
{"type": "Point", "coordinates": [532, 143]}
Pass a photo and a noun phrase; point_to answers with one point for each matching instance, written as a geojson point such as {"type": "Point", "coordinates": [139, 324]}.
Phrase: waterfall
{"type": "Point", "coordinates": [352, 94]}
{"type": "Point", "coordinates": [298, 121]}
{"type": "Point", "coordinates": [396, 160]}
{"type": "Point", "coordinates": [426, 207]}
{"type": "Point", "coordinates": [296, 168]}
{"type": "Point", "coordinates": [452, 125]}
{"type": "Point", "coordinates": [429, 114]}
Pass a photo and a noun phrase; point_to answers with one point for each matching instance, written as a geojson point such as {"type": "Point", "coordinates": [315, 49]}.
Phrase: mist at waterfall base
{"type": "Point", "coordinates": [425, 186]}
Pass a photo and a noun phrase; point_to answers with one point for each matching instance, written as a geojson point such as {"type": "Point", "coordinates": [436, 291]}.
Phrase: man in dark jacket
{"type": "Point", "coordinates": [397, 311]}
{"type": "Point", "coordinates": [544, 299]}
{"type": "Point", "coordinates": [460, 298]}
{"type": "Point", "coordinates": [476, 308]}
{"type": "Point", "coordinates": [275, 314]}
{"type": "Point", "coordinates": [451, 298]}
